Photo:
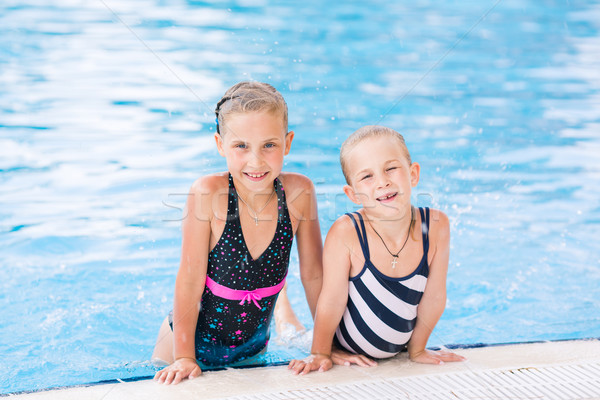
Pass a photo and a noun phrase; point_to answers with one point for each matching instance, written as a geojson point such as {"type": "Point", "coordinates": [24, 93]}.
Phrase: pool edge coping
{"type": "Point", "coordinates": [279, 364]}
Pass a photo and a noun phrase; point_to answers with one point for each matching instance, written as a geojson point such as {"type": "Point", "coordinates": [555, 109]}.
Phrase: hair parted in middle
{"type": "Point", "coordinates": [250, 96]}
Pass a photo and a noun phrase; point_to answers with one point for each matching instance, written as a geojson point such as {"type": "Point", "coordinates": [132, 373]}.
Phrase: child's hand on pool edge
{"type": "Point", "coordinates": [341, 357]}
{"type": "Point", "coordinates": [321, 362]}
{"type": "Point", "coordinates": [182, 368]}
{"type": "Point", "coordinates": [435, 357]}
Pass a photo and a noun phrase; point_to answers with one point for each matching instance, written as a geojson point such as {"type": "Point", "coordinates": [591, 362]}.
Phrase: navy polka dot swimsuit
{"type": "Point", "coordinates": [228, 331]}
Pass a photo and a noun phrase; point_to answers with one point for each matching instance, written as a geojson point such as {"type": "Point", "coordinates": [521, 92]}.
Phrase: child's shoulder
{"type": "Point", "coordinates": [343, 227]}
{"type": "Point", "coordinates": [210, 184]}
{"type": "Point", "coordinates": [300, 194]}
{"type": "Point", "coordinates": [293, 181]}
{"type": "Point", "coordinates": [439, 224]}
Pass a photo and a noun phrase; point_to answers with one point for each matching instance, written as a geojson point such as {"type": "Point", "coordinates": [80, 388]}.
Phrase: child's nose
{"type": "Point", "coordinates": [255, 159]}
{"type": "Point", "coordinates": [383, 181]}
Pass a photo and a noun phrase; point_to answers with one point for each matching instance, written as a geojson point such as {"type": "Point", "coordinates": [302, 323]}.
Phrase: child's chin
{"type": "Point", "coordinates": [389, 209]}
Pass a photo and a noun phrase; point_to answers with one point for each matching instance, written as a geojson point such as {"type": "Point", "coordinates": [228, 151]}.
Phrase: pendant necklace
{"type": "Point", "coordinates": [395, 260]}
{"type": "Point", "coordinates": [251, 209]}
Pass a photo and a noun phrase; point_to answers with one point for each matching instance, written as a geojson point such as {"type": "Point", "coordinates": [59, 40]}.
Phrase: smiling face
{"type": "Point", "coordinates": [254, 144]}
{"type": "Point", "coordinates": [380, 176]}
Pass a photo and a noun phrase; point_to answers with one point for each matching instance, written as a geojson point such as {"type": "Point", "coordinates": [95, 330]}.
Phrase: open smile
{"type": "Point", "coordinates": [256, 176]}
{"type": "Point", "coordinates": [387, 197]}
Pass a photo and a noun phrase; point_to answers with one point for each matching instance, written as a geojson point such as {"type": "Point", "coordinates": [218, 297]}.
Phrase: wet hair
{"type": "Point", "coordinates": [249, 96]}
{"type": "Point", "coordinates": [366, 132]}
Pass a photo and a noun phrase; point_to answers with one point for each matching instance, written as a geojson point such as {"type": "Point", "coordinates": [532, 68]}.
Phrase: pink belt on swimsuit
{"type": "Point", "coordinates": [243, 295]}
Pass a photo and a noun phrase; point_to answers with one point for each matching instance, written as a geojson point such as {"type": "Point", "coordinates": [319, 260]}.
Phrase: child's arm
{"type": "Point", "coordinates": [432, 304]}
{"type": "Point", "coordinates": [309, 242]}
{"type": "Point", "coordinates": [332, 300]}
{"type": "Point", "coordinates": [190, 283]}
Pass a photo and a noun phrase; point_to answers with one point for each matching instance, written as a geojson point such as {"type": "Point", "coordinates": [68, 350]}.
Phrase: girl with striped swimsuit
{"type": "Point", "coordinates": [385, 266]}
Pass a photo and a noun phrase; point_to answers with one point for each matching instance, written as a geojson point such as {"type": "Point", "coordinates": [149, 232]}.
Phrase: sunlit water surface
{"type": "Point", "coordinates": [106, 119]}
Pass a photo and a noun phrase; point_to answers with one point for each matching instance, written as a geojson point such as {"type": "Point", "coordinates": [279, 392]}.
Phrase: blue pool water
{"type": "Point", "coordinates": [106, 111]}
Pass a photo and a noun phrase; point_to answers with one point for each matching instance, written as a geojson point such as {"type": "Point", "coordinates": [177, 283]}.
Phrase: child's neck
{"type": "Point", "coordinates": [255, 199]}
{"type": "Point", "coordinates": [391, 228]}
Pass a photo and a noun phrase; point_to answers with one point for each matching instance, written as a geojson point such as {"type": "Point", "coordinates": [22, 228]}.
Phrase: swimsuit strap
{"type": "Point", "coordinates": [425, 227]}
{"type": "Point", "coordinates": [362, 234]}
{"type": "Point", "coordinates": [283, 214]}
{"type": "Point", "coordinates": [233, 210]}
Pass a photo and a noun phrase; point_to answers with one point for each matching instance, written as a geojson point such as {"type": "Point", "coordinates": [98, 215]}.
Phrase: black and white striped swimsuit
{"type": "Point", "coordinates": [382, 311]}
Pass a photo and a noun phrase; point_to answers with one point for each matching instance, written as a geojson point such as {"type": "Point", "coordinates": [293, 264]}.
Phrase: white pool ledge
{"type": "Point", "coordinates": [553, 370]}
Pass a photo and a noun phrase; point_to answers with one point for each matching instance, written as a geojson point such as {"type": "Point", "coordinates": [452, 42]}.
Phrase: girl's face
{"type": "Point", "coordinates": [381, 177]}
{"type": "Point", "coordinates": [254, 145]}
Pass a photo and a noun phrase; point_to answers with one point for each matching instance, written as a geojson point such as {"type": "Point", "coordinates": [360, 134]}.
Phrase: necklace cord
{"type": "Point", "coordinates": [405, 241]}
{"type": "Point", "coordinates": [251, 209]}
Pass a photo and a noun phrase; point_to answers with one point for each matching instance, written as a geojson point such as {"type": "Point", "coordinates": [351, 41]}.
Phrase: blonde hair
{"type": "Point", "coordinates": [249, 96]}
{"type": "Point", "coordinates": [375, 131]}
{"type": "Point", "coordinates": [366, 132]}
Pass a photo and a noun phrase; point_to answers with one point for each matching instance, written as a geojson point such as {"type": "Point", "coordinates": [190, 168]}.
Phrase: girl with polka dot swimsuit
{"type": "Point", "coordinates": [238, 230]}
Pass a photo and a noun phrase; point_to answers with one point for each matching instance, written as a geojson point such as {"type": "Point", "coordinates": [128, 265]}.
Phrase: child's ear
{"type": "Point", "coordinates": [219, 141]}
{"type": "Point", "coordinates": [352, 195]}
{"type": "Point", "coordinates": [415, 172]}
{"type": "Point", "coordinates": [288, 142]}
